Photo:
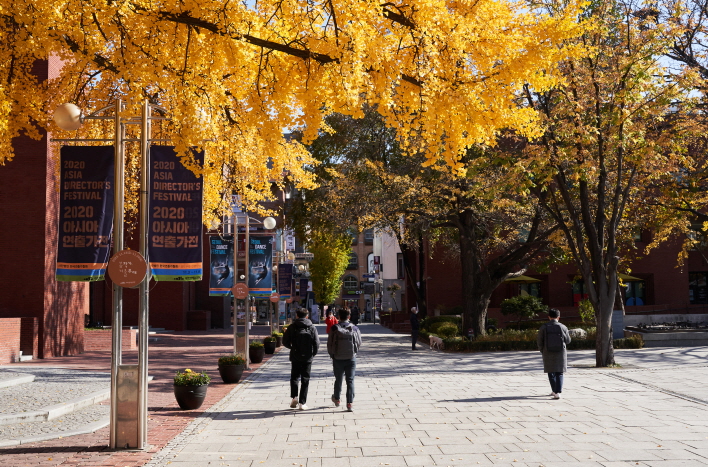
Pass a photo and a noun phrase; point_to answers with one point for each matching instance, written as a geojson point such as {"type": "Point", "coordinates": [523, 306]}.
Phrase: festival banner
{"type": "Point", "coordinates": [221, 279]}
{"type": "Point", "coordinates": [85, 213]}
{"type": "Point", "coordinates": [260, 265]}
{"type": "Point", "coordinates": [175, 230]}
{"type": "Point", "coordinates": [285, 280]}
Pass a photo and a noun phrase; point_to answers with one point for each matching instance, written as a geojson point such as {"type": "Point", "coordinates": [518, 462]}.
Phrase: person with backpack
{"type": "Point", "coordinates": [343, 343]}
{"type": "Point", "coordinates": [303, 341]}
{"type": "Point", "coordinates": [552, 340]}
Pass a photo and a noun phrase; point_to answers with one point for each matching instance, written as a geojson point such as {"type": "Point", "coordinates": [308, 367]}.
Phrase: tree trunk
{"type": "Point", "coordinates": [604, 352]}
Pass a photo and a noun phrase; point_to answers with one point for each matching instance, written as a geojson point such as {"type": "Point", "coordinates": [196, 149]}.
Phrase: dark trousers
{"type": "Point", "coordinates": [300, 371]}
{"type": "Point", "coordinates": [556, 380]}
{"type": "Point", "coordinates": [345, 368]}
{"type": "Point", "coordinates": [414, 337]}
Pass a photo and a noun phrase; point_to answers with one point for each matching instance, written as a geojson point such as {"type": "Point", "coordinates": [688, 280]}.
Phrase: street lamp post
{"type": "Point", "coordinates": [68, 117]}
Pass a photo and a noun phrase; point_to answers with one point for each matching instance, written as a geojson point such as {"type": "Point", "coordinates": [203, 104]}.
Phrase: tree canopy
{"type": "Point", "coordinates": [237, 74]}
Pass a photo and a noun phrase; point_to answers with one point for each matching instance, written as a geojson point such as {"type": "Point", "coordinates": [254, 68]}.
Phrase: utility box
{"type": "Point", "coordinates": [127, 410]}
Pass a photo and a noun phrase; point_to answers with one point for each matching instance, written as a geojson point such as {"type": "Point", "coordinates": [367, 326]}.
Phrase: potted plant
{"type": "Point", "coordinates": [231, 367]}
{"type": "Point", "coordinates": [190, 388]}
{"type": "Point", "coordinates": [269, 345]}
{"type": "Point", "coordinates": [256, 351]}
{"type": "Point", "coordinates": [278, 338]}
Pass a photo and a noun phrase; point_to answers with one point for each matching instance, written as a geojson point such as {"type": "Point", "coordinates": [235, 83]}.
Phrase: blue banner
{"type": "Point", "coordinates": [85, 213]}
{"type": "Point", "coordinates": [285, 280]}
{"type": "Point", "coordinates": [175, 218]}
{"type": "Point", "coordinates": [260, 265]}
{"type": "Point", "coordinates": [221, 279]}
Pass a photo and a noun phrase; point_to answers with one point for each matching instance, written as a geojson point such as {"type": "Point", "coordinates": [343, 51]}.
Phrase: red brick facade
{"type": "Point", "coordinates": [9, 340]}
{"type": "Point", "coordinates": [97, 340]}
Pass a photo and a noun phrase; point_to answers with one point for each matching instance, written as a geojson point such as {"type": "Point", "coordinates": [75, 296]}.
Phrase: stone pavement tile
{"type": "Point", "coordinates": [586, 455]}
{"type": "Point", "coordinates": [330, 462]}
{"type": "Point", "coordinates": [701, 452]}
{"type": "Point", "coordinates": [462, 459]}
{"type": "Point", "coordinates": [348, 452]}
{"type": "Point", "coordinates": [627, 455]}
{"type": "Point", "coordinates": [455, 440]}
{"type": "Point", "coordinates": [676, 463]}
{"type": "Point", "coordinates": [419, 461]}
{"type": "Point", "coordinates": [360, 443]}
{"type": "Point", "coordinates": [393, 461]}
{"type": "Point", "coordinates": [371, 451]}
{"type": "Point", "coordinates": [307, 453]}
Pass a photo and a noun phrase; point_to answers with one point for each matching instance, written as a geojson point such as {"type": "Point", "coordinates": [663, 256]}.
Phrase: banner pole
{"type": "Point", "coordinates": [247, 302]}
{"type": "Point", "coordinates": [235, 307]}
{"type": "Point", "coordinates": [144, 292]}
{"type": "Point", "coordinates": [117, 322]}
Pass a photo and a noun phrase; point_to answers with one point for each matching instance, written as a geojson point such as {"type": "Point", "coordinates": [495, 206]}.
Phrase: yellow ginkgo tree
{"type": "Point", "coordinates": [238, 74]}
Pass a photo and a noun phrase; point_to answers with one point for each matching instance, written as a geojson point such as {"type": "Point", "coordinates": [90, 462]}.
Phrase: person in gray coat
{"type": "Point", "coordinates": [552, 340]}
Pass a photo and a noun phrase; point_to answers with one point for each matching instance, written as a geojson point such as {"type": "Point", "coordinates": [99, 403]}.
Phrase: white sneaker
{"type": "Point", "coordinates": [556, 396]}
{"type": "Point", "coordinates": [303, 406]}
{"type": "Point", "coordinates": [293, 403]}
{"type": "Point", "coordinates": [553, 394]}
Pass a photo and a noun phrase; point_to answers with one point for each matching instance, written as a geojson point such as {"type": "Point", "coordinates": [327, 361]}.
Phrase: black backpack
{"type": "Point", "coordinates": [302, 347]}
{"type": "Point", "coordinates": [554, 338]}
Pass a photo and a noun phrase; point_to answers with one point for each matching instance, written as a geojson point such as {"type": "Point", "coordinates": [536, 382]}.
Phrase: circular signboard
{"type": "Point", "coordinates": [289, 300]}
{"type": "Point", "coordinates": [240, 291]}
{"type": "Point", "coordinates": [274, 298]}
{"type": "Point", "coordinates": [127, 268]}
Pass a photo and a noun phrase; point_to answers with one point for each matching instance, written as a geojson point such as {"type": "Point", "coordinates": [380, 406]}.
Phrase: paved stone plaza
{"type": "Point", "coordinates": [428, 408]}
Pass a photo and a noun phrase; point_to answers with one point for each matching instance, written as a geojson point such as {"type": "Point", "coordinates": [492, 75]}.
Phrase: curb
{"type": "Point", "coordinates": [90, 428]}
{"type": "Point", "coordinates": [22, 379]}
{"type": "Point", "coordinates": [55, 411]}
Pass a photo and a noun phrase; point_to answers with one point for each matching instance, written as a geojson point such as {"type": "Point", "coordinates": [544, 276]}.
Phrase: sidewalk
{"type": "Point", "coordinates": [421, 409]}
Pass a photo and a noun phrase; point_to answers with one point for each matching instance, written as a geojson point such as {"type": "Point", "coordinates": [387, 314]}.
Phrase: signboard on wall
{"type": "Point", "coordinates": [221, 265]}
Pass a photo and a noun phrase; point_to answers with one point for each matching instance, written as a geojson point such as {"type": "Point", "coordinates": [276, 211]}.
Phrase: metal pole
{"type": "Point", "coordinates": [247, 302]}
{"type": "Point", "coordinates": [144, 310]}
{"type": "Point", "coordinates": [117, 323]}
{"type": "Point", "coordinates": [235, 237]}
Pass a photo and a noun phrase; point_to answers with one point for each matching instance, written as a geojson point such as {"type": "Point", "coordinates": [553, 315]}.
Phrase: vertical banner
{"type": "Point", "coordinates": [85, 213]}
{"type": "Point", "coordinates": [285, 280]}
{"type": "Point", "coordinates": [260, 265]}
{"type": "Point", "coordinates": [303, 288]}
{"type": "Point", "coordinates": [175, 231]}
{"type": "Point", "coordinates": [221, 279]}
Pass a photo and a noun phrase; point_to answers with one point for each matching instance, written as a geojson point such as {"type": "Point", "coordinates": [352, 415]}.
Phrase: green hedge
{"type": "Point", "coordinates": [460, 344]}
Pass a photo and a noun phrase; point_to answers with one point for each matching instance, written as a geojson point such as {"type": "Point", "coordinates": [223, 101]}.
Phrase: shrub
{"type": "Point", "coordinates": [233, 359]}
{"type": "Point", "coordinates": [445, 330]}
{"type": "Point", "coordinates": [190, 378]}
{"type": "Point", "coordinates": [255, 345]}
{"type": "Point", "coordinates": [269, 339]}
{"type": "Point", "coordinates": [428, 322]}
{"type": "Point", "coordinates": [586, 311]}
{"type": "Point", "coordinates": [277, 334]}
{"type": "Point", "coordinates": [523, 306]}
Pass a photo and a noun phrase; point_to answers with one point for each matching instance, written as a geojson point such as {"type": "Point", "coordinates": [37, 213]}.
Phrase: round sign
{"type": "Point", "coordinates": [127, 268]}
{"type": "Point", "coordinates": [275, 298]}
{"type": "Point", "coordinates": [289, 300]}
{"type": "Point", "coordinates": [240, 291]}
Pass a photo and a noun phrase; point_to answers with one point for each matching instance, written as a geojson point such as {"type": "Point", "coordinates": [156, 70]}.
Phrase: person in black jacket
{"type": "Point", "coordinates": [303, 341]}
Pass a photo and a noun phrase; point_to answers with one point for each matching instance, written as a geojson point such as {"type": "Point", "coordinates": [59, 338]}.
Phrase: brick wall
{"type": "Point", "coordinates": [10, 340]}
{"type": "Point", "coordinates": [96, 340]}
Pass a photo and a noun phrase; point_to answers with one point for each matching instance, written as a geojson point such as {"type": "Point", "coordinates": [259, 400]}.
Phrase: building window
{"type": "Point", "coordinates": [533, 289]}
{"type": "Point", "coordinates": [697, 290]}
{"type": "Point", "coordinates": [635, 293]}
{"type": "Point", "coordinates": [369, 237]}
{"type": "Point", "coordinates": [351, 283]}
{"type": "Point", "coordinates": [355, 236]}
{"type": "Point", "coordinates": [353, 261]}
{"type": "Point", "coordinates": [579, 292]}
{"type": "Point", "coordinates": [400, 267]}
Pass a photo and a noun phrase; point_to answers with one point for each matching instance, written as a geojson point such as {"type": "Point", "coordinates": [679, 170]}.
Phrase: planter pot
{"type": "Point", "coordinates": [278, 341]}
{"type": "Point", "coordinates": [231, 374]}
{"type": "Point", "coordinates": [269, 347]}
{"type": "Point", "coordinates": [256, 355]}
{"type": "Point", "coordinates": [190, 397]}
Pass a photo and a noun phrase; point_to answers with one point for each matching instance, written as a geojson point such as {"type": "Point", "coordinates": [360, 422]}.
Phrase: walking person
{"type": "Point", "coordinates": [354, 315]}
{"type": "Point", "coordinates": [415, 326]}
{"type": "Point", "coordinates": [343, 343]}
{"type": "Point", "coordinates": [303, 341]}
{"type": "Point", "coordinates": [552, 340]}
{"type": "Point", "coordinates": [330, 321]}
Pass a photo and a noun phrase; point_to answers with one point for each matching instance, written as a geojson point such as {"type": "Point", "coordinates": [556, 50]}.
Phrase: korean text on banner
{"type": "Point", "coordinates": [260, 264]}
{"type": "Point", "coordinates": [85, 213]}
{"type": "Point", "coordinates": [221, 279]}
{"type": "Point", "coordinates": [285, 280]}
{"type": "Point", "coordinates": [175, 230]}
